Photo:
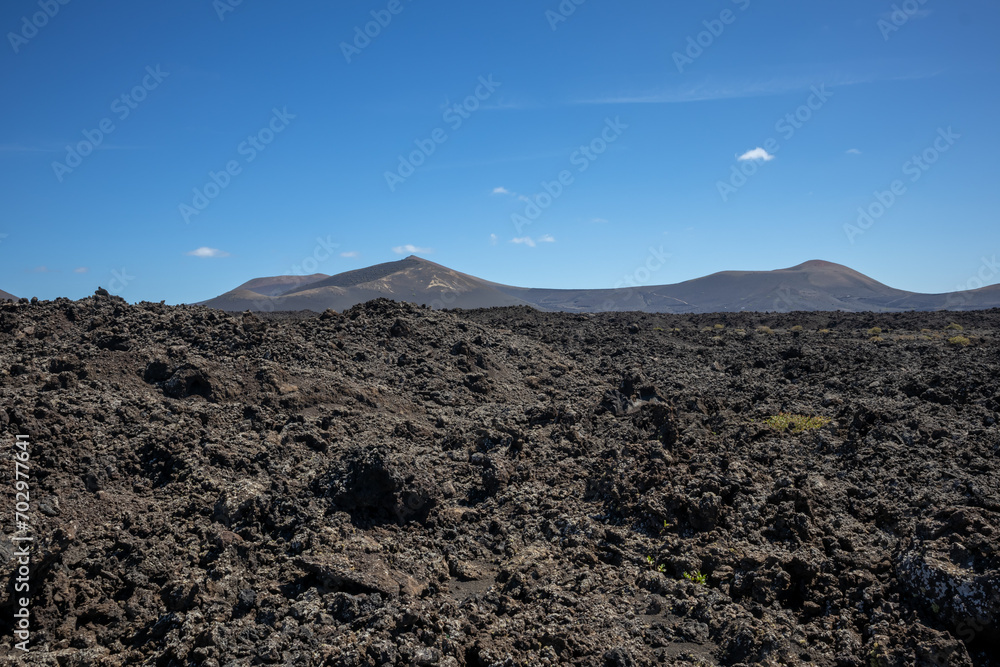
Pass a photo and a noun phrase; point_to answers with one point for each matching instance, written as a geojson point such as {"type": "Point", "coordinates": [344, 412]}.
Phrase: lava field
{"type": "Point", "coordinates": [394, 485]}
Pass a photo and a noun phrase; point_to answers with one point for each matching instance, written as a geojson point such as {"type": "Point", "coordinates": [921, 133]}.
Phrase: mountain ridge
{"type": "Point", "coordinates": [811, 285]}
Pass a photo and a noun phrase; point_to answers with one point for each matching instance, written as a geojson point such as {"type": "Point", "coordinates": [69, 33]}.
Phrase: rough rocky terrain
{"type": "Point", "coordinates": [396, 485]}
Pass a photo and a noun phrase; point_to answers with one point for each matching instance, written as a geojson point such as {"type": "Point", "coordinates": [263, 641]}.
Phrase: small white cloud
{"type": "Point", "coordinates": [350, 254]}
{"type": "Point", "coordinates": [531, 243]}
{"type": "Point", "coordinates": [599, 220]}
{"type": "Point", "coordinates": [501, 191]}
{"type": "Point", "coordinates": [411, 250]}
{"type": "Point", "coordinates": [493, 239]}
{"type": "Point", "coordinates": [853, 151]}
{"type": "Point", "coordinates": [756, 154]}
{"type": "Point", "coordinates": [208, 252]}
{"type": "Point", "coordinates": [41, 269]}
{"type": "Point", "coordinates": [81, 269]}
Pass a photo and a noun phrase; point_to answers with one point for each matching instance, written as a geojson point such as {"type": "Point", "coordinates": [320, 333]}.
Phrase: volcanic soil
{"type": "Point", "coordinates": [394, 485]}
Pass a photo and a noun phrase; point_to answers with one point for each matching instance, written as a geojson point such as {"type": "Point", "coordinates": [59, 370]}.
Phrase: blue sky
{"type": "Point", "coordinates": [174, 150]}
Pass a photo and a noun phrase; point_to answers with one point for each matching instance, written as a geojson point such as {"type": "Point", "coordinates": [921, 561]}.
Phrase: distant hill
{"type": "Point", "coordinates": [412, 279]}
{"type": "Point", "coordinates": [277, 285]}
{"type": "Point", "coordinates": [813, 285]}
{"type": "Point", "coordinates": [7, 296]}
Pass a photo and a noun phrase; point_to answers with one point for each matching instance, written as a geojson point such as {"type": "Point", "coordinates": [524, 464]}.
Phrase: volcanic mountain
{"type": "Point", "coordinates": [813, 285]}
{"type": "Point", "coordinates": [7, 296]}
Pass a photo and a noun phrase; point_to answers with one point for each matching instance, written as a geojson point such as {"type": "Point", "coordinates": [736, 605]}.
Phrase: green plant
{"type": "Point", "coordinates": [764, 330]}
{"type": "Point", "coordinates": [954, 327]}
{"type": "Point", "coordinates": [784, 421]}
{"type": "Point", "coordinates": [720, 326]}
{"type": "Point", "coordinates": [824, 331]}
{"type": "Point", "coordinates": [874, 331]}
{"type": "Point", "coordinates": [960, 341]}
{"type": "Point", "coordinates": [797, 328]}
{"type": "Point", "coordinates": [696, 577]}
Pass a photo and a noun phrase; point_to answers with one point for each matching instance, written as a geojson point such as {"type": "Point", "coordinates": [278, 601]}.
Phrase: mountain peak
{"type": "Point", "coordinates": [818, 264]}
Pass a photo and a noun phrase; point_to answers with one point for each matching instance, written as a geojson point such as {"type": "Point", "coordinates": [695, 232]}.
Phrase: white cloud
{"type": "Point", "coordinates": [493, 239]}
{"type": "Point", "coordinates": [756, 154]}
{"type": "Point", "coordinates": [599, 220]}
{"type": "Point", "coordinates": [409, 249]}
{"type": "Point", "coordinates": [854, 151]}
{"type": "Point", "coordinates": [350, 254]}
{"type": "Point", "coordinates": [41, 269]}
{"type": "Point", "coordinates": [530, 242]}
{"type": "Point", "coordinates": [501, 191]}
{"type": "Point", "coordinates": [208, 252]}
{"type": "Point", "coordinates": [81, 269]}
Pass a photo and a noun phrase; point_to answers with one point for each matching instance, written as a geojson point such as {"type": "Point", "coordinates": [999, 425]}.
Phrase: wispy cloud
{"type": "Point", "coordinates": [493, 239]}
{"type": "Point", "coordinates": [756, 154]}
{"type": "Point", "coordinates": [501, 191]}
{"type": "Point", "coordinates": [350, 254]}
{"type": "Point", "coordinates": [41, 269]}
{"type": "Point", "coordinates": [18, 148]}
{"type": "Point", "coordinates": [81, 269]}
{"type": "Point", "coordinates": [853, 151]}
{"type": "Point", "coordinates": [208, 252]}
{"type": "Point", "coordinates": [530, 242]}
{"type": "Point", "coordinates": [411, 250]}
{"type": "Point", "coordinates": [599, 220]}
{"type": "Point", "coordinates": [708, 90]}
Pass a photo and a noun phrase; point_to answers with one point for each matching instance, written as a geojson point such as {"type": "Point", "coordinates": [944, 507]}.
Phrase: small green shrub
{"type": "Point", "coordinates": [824, 331]}
{"type": "Point", "coordinates": [696, 576]}
{"type": "Point", "coordinates": [874, 331]}
{"type": "Point", "coordinates": [960, 341]}
{"type": "Point", "coordinates": [784, 421]}
{"type": "Point", "coordinates": [954, 327]}
{"type": "Point", "coordinates": [797, 328]}
{"type": "Point", "coordinates": [765, 330]}
{"type": "Point", "coordinates": [720, 326]}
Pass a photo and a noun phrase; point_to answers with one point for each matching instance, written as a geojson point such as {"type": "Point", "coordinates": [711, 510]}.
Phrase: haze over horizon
{"type": "Point", "coordinates": [233, 140]}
